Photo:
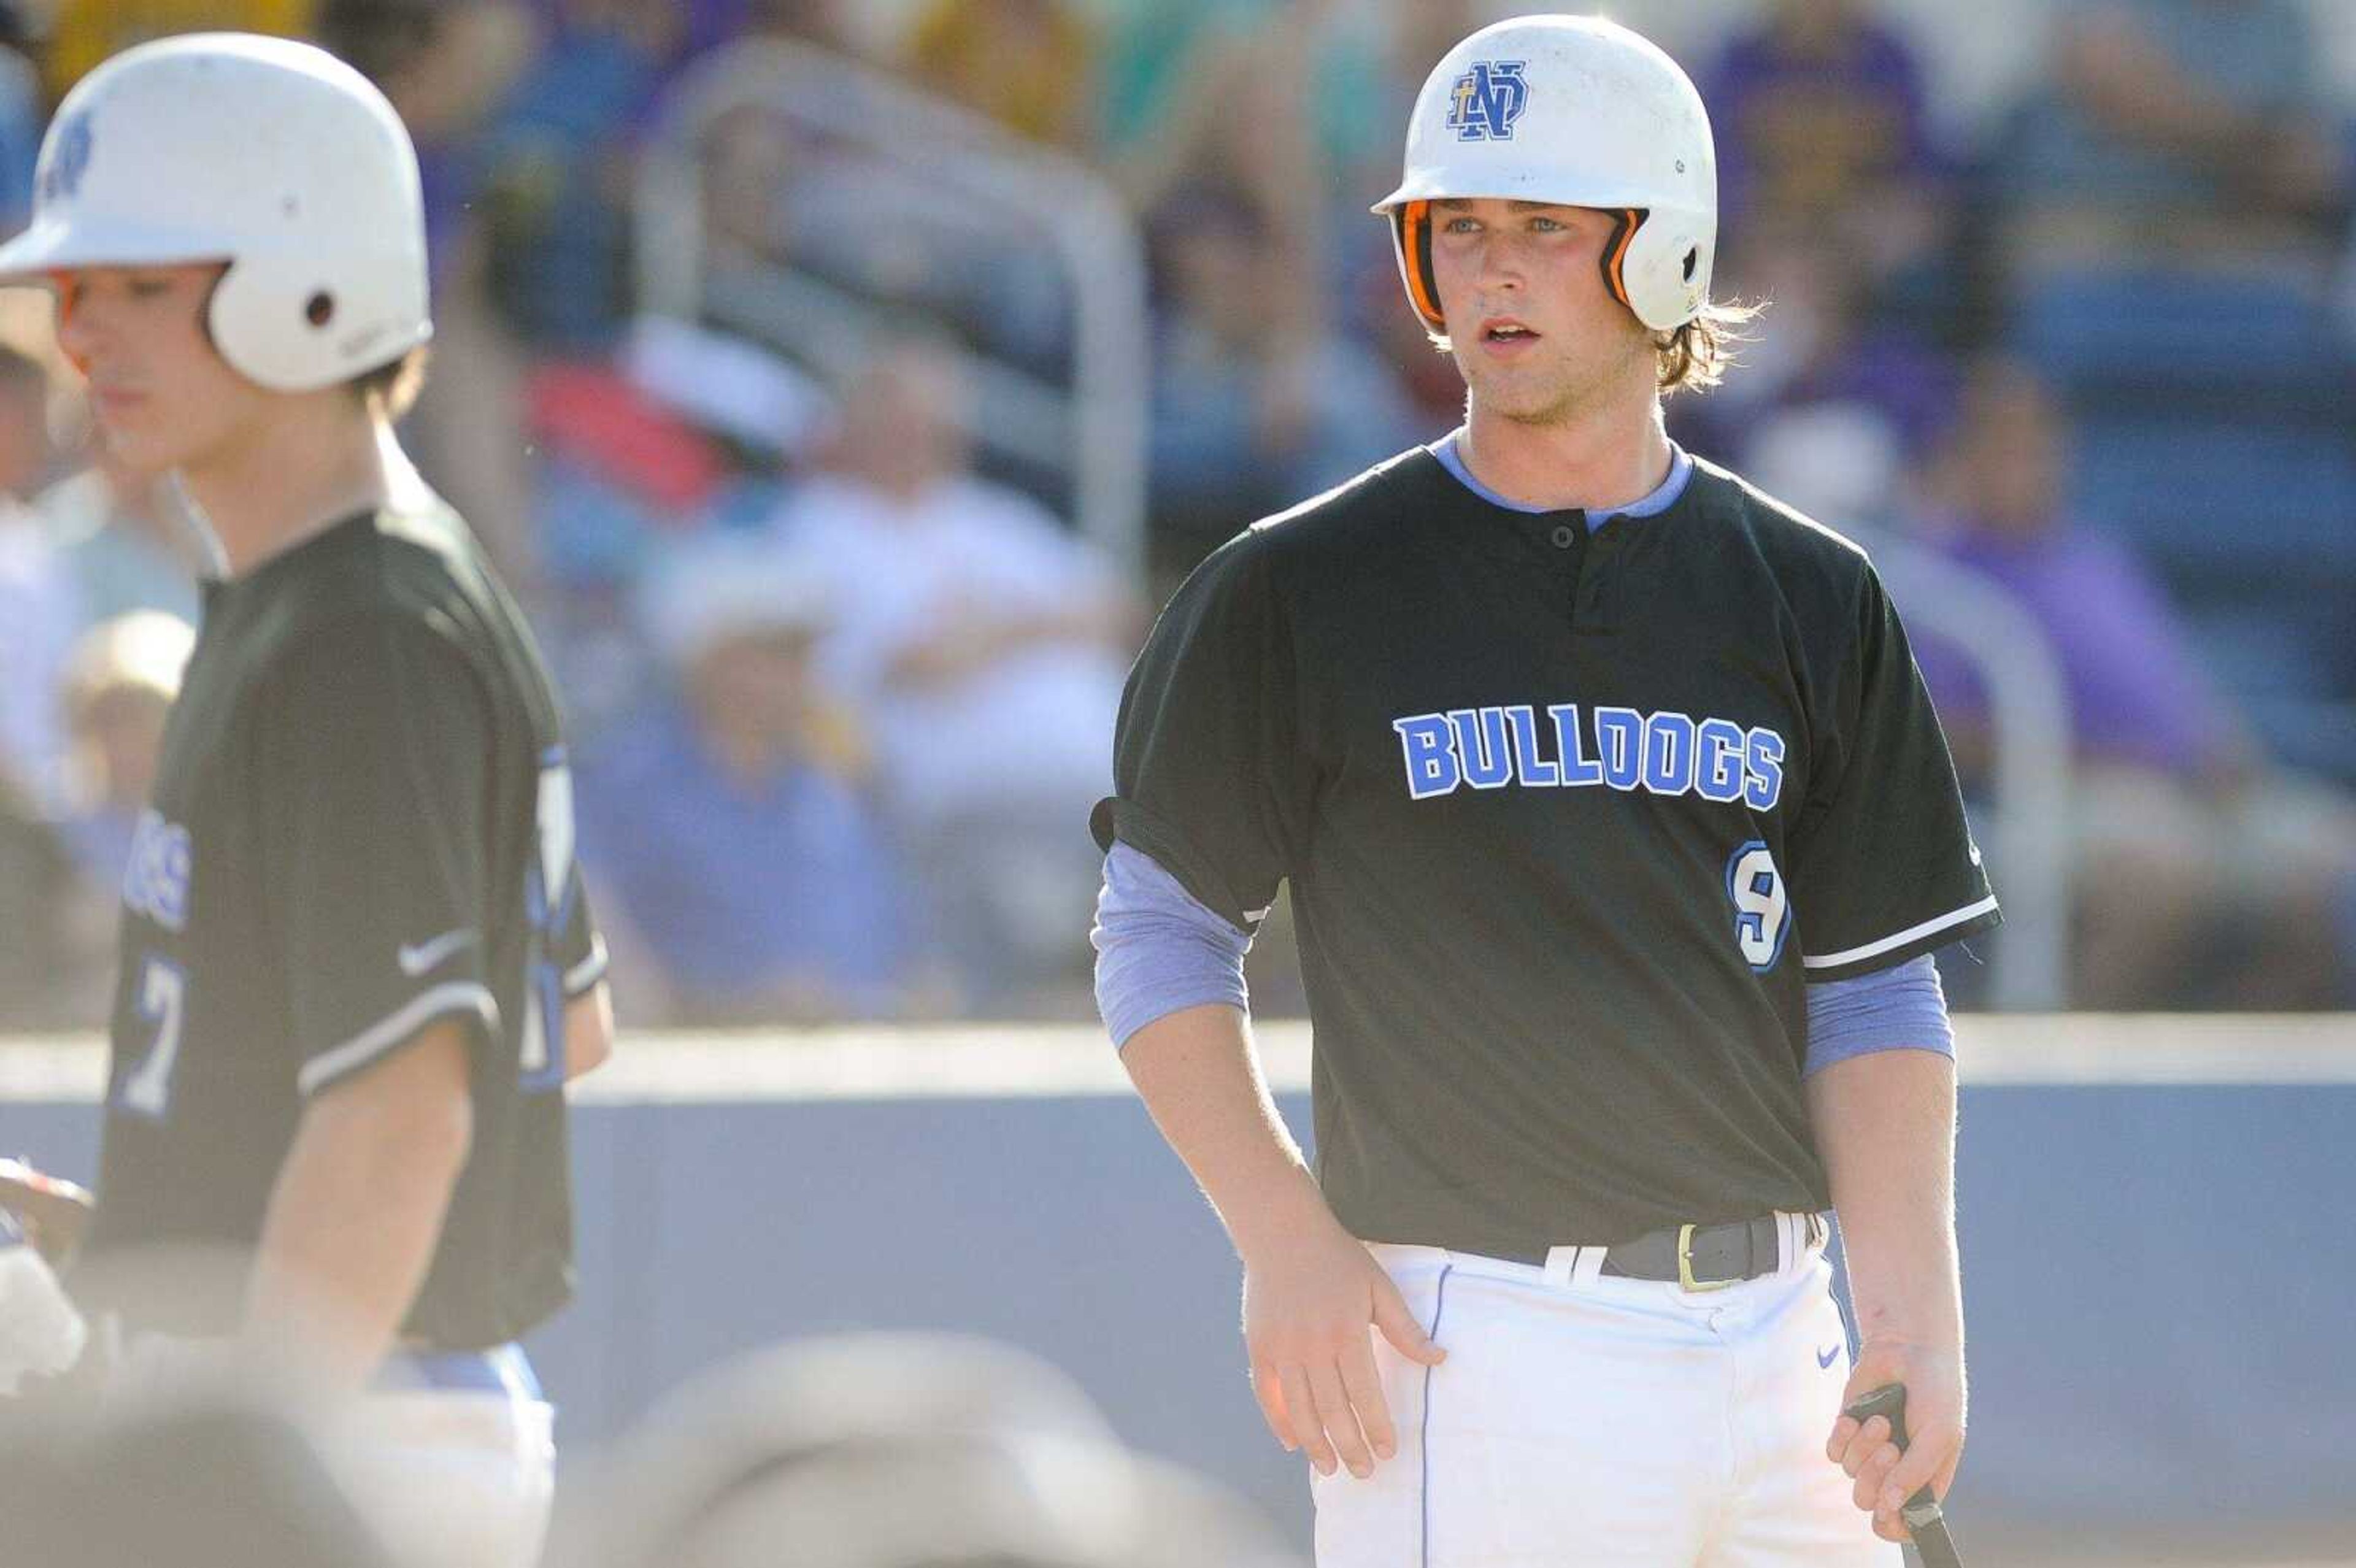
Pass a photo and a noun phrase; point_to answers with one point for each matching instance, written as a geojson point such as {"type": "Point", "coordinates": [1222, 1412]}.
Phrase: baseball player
{"type": "Point", "coordinates": [1619, 830]}
{"type": "Point", "coordinates": [357, 965]}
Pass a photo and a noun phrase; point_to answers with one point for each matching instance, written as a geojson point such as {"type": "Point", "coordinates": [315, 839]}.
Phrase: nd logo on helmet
{"type": "Point", "coordinates": [1487, 100]}
{"type": "Point", "coordinates": [68, 159]}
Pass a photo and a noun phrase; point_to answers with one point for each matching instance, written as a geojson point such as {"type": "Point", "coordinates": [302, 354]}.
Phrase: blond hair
{"type": "Point", "coordinates": [1698, 355]}
{"type": "Point", "coordinates": [392, 387]}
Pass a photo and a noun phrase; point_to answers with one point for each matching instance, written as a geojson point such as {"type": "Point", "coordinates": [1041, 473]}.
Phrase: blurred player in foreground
{"type": "Point", "coordinates": [894, 1450]}
{"type": "Point", "coordinates": [1619, 830]}
{"type": "Point", "coordinates": [357, 963]}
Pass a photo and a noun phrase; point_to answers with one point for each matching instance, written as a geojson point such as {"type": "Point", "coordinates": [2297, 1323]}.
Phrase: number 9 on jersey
{"type": "Point", "coordinates": [1762, 910]}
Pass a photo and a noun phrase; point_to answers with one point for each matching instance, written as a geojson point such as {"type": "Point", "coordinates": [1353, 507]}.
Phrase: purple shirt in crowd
{"type": "Point", "coordinates": [1802, 130]}
{"type": "Point", "coordinates": [2135, 694]}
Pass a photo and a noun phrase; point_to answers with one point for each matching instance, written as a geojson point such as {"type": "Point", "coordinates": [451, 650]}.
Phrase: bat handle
{"type": "Point", "coordinates": [1922, 1510]}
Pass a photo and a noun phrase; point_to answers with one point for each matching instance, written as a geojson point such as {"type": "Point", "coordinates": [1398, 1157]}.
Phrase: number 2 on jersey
{"type": "Point", "coordinates": [1762, 910]}
{"type": "Point", "coordinates": [162, 1001]}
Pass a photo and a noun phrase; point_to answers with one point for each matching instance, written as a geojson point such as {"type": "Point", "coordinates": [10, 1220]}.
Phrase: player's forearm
{"type": "Point", "coordinates": [1885, 1125]}
{"type": "Point", "coordinates": [1199, 1075]}
{"type": "Point", "coordinates": [588, 1031]}
{"type": "Point", "coordinates": [357, 1213]}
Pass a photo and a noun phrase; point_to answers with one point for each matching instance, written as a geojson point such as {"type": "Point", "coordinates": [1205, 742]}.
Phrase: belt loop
{"type": "Point", "coordinates": [1561, 1263]}
{"type": "Point", "coordinates": [1587, 1267]}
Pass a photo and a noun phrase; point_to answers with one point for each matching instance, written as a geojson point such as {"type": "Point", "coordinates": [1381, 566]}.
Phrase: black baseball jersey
{"type": "Point", "coordinates": [363, 824]}
{"type": "Point", "coordinates": [1568, 821]}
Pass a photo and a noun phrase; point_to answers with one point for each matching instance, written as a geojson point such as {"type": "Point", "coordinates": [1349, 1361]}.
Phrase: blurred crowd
{"type": "Point", "coordinates": [843, 655]}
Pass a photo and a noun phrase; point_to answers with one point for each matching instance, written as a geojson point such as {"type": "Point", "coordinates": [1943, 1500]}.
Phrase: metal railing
{"type": "Point", "coordinates": [1093, 430]}
{"type": "Point", "coordinates": [2027, 846]}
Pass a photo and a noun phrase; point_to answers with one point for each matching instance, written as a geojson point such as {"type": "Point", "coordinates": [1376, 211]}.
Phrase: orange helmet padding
{"type": "Point", "coordinates": [1412, 231]}
{"type": "Point", "coordinates": [63, 281]}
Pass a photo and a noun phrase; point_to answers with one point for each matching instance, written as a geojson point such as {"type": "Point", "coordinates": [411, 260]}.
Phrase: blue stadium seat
{"type": "Point", "coordinates": [2252, 526]}
{"type": "Point", "coordinates": [2314, 736]}
{"type": "Point", "coordinates": [2265, 649]}
{"type": "Point", "coordinates": [2243, 501]}
{"type": "Point", "coordinates": [2173, 337]}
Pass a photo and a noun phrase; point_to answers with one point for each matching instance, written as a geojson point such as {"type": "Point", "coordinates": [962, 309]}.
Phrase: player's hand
{"type": "Point", "coordinates": [41, 1333]}
{"type": "Point", "coordinates": [1933, 1376]}
{"type": "Point", "coordinates": [1310, 1311]}
{"type": "Point", "coordinates": [51, 1213]}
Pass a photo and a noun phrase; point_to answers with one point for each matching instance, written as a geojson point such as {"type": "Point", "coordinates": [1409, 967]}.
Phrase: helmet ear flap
{"type": "Point", "coordinates": [1625, 223]}
{"type": "Point", "coordinates": [1664, 272]}
{"type": "Point", "coordinates": [241, 320]}
{"type": "Point", "coordinates": [287, 322]}
{"type": "Point", "coordinates": [1411, 236]}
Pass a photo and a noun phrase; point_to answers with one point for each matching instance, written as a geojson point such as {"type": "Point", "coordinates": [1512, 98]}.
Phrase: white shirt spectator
{"type": "Point", "coordinates": [1029, 726]}
{"type": "Point", "coordinates": [42, 613]}
{"type": "Point", "coordinates": [118, 564]}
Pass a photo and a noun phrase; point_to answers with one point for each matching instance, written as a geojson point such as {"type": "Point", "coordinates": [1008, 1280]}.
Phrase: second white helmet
{"type": "Point", "coordinates": [273, 157]}
{"type": "Point", "coordinates": [1578, 112]}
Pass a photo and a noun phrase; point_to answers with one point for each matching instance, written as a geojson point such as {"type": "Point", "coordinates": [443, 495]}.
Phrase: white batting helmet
{"type": "Point", "coordinates": [1578, 112]}
{"type": "Point", "coordinates": [273, 157]}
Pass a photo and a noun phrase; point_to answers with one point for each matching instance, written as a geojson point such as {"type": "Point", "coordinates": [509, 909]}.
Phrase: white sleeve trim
{"type": "Point", "coordinates": [589, 971]}
{"type": "Point", "coordinates": [458, 995]}
{"type": "Point", "coordinates": [1956, 917]}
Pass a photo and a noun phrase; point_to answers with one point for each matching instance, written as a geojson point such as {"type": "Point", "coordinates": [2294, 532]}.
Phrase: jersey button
{"type": "Point", "coordinates": [1564, 535]}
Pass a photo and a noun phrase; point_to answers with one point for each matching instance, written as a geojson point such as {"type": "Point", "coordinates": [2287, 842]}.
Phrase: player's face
{"type": "Point", "coordinates": [1533, 329]}
{"type": "Point", "coordinates": [162, 397]}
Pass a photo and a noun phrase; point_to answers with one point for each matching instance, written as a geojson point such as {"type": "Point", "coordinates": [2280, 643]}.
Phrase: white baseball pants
{"type": "Point", "coordinates": [457, 1478]}
{"type": "Point", "coordinates": [1586, 1421]}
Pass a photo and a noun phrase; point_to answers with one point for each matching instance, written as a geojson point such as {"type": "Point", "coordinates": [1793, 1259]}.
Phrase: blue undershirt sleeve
{"type": "Point", "coordinates": [1159, 949]}
{"type": "Point", "coordinates": [1902, 1007]}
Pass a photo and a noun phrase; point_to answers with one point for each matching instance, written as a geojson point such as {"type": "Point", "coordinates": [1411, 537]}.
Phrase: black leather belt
{"type": "Point", "coordinates": [1704, 1257]}
{"type": "Point", "coordinates": [1701, 1257]}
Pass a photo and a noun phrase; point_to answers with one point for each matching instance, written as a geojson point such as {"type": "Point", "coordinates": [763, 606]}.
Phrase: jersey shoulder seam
{"type": "Point", "coordinates": [395, 579]}
{"type": "Point", "coordinates": [1783, 519]}
{"type": "Point", "coordinates": [1809, 549]}
{"type": "Point", "coordinates": [1371, 487]}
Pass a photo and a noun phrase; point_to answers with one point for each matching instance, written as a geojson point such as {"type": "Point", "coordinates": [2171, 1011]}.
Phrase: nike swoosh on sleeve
{"type": "Point", "coordinates": [422, 957]}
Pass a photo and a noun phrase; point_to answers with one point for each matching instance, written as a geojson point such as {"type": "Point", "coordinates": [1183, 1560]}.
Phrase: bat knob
{"type": "Point", "coordinates": [1889, 1402]}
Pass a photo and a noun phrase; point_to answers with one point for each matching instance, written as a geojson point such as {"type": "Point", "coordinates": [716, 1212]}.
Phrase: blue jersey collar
{"type": "Point", "coordinates": [1446, 449]}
